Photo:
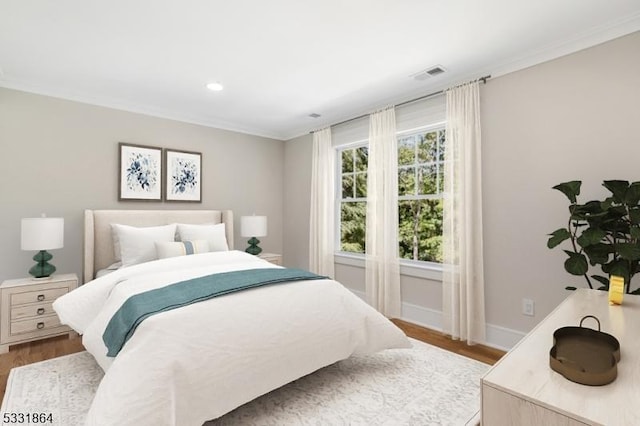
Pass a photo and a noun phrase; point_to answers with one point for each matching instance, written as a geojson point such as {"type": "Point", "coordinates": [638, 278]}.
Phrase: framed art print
{"type": "Point", "coordinates": [140, 175]}
{"type": "Point", "coordinates": [183, 176]}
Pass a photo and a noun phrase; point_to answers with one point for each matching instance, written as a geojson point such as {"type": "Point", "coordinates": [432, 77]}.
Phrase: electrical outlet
{"type": "Point", "coordinates": [528, 307]}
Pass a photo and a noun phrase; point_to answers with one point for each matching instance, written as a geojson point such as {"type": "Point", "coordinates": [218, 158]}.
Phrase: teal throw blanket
{"type": "Point", "coordinates": [140, 306]}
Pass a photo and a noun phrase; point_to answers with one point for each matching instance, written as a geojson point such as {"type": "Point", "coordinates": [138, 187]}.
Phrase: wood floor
{"type": "Point", "coordinates": [478, 352]}
{"type": "Point", "coordinates": [31, 352]}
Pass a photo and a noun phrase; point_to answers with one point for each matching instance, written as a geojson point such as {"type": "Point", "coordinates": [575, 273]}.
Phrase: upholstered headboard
{"type": "Point", "coordinates": [98, 240]}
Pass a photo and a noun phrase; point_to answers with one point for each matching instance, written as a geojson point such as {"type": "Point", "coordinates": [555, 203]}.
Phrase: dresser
{"type": "Point", "coordinates": [521, 389]}
{"type": "Point", "coordinates": [25, 309]}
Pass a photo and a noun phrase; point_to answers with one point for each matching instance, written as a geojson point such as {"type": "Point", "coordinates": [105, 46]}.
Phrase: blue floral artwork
{"type": "Point", "coordinates": [183, 179]}
{"type": "Point", "coordinates": [140, 172]}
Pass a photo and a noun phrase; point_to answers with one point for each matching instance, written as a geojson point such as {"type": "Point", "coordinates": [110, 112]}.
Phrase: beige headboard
{"type": "Point", "coordinates": [98, 242]}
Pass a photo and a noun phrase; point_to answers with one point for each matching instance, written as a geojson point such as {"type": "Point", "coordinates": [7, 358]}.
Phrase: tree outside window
{"type": "Point", "coordinates": [420, 175]}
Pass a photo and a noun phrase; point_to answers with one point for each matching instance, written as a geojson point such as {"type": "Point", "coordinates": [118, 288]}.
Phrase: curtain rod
{"type": "Point", "coordinates": [430, 95]}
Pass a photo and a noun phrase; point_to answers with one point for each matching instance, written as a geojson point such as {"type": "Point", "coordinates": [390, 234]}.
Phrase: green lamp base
{"type": "Point", "coordinates": [42, 269]}
{"type": "Point", "coordinates": [253, 246]}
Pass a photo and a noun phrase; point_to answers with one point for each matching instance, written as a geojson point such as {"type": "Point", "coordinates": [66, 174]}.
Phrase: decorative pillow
{"type": "Point", "coordinates": [213, 234]}
{"type": "Point", "coordinates": [182, 248]}
{"type": "Point", "coordinates": [137, 245]}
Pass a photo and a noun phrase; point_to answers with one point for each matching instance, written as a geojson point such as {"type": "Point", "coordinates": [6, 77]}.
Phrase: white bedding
{"type": "Point", "coordinates": [189, 365]}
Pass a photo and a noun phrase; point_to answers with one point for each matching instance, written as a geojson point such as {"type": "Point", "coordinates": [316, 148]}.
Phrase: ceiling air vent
{"type": "Point", "coordinates": [431, 72]}
{"type": "Point", "coordinates": [435, 71]}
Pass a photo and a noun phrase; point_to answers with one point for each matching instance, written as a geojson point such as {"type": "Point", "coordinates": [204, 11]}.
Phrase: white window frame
{"type": "Point", "coordinates": [414, 197]}
{"type": "Point", "coordinates": [414, 268]}
{"type": "Point", "coordinates": [339, 199]}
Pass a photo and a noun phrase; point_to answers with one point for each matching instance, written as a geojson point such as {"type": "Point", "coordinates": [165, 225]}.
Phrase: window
{"type": "Point", "coordinates": [420, 174]}
{"type": "Point", "coordinates": [353, 198]}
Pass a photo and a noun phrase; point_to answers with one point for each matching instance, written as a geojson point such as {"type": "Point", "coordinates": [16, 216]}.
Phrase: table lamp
{"type": "Point", "coordinates": [42, 234]}
{"type": "Point", "coordinates": [253, 226]}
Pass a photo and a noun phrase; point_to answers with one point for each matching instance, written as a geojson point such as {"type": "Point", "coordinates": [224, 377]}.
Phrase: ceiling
{"type": "Point", "coordinates": [282, 60]}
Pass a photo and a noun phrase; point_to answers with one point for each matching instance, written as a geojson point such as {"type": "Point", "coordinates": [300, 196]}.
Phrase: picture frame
{"type": "Point", "coordinates": [140, 172]}
{"type": "Point", "coordinates": [183, 176]}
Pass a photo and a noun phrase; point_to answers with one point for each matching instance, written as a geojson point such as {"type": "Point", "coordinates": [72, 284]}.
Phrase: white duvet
{"type": "Point", "coordinates": [196, 363]}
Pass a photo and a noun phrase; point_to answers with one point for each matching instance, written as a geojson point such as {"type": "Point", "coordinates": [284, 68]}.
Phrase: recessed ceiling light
{"type": "Point", "coordinates": [216, 87]}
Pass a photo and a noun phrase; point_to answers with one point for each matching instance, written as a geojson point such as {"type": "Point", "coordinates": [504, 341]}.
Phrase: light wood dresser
{"type": "Point", "coordinates": [521, 389]}
{"type": "Point", "coordinates": [25, 309]}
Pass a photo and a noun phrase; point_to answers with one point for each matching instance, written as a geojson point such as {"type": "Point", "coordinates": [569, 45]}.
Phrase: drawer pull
{"type": "Point", "coordinates": [40, 325]}
{"type": "Point", "coordinates": [40, 297]}
{"type": "Point", "coordinates": [40, 311]}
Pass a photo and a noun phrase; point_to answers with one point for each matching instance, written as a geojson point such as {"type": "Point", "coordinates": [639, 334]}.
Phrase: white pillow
{"type": "Point", "coordinates": [182, 248]}
{"type": "Point", "coordinates": [213, 234]}
{"type": "Point", "coordinates": [137, 245]}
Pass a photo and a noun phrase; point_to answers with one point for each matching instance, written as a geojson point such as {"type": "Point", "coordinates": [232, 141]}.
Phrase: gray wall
{"type": "Point", "coordinates": [61, 157]}
{"type": "Point", "coordinates": [576, 117]}
{"type": "Point", "coordinates": [297, 184]}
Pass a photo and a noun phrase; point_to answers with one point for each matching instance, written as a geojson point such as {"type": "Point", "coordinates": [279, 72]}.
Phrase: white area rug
{"type": "Point", "coordinates": [424, 385]}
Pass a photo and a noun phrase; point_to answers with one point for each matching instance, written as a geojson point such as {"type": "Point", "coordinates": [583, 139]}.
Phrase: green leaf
{"type": "Point", "coordinates": [602, 280]}
{"type": "Point", "coordinates": [576, 264]}
{"type": "Point", "coordinates": [635, 232]}
{"type": "Point", "coordinates": [570, 287]}
{"type": "Point", "coordinates": [592, 207]}
{"type": "Point", "coordinates": [557, 237]}
{"type": "Point", "coordinates": [604, 205]}
{"type": "Point", "coordinates": [590, 210]}
{"type": "Point", "coordinates": [603, 288]}
{"type": "Point", "coordinates": [634, 216]}
{"type": "Point", "coordinates": [591, 236]}
{"type": "Point", "coordinates": [633, 194]}
{"type": "Point", "coordinates": [636, 291]}
{"type": "Point", "coordinates": [618, 188]}
{"type": "Point", "coordinates": [617, 212]}
{"type": "Point", "coordinates": [598, 253]}
{"type": "Point", "coordinates": [570, 189]}
{"type": "Point", "coordinates": [619, 267]}
{"type": "Point", "coordinates": [629, 251]}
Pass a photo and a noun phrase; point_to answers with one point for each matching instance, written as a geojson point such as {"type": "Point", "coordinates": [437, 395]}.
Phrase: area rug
{"type": "Point", "coordinates": [424, 385]}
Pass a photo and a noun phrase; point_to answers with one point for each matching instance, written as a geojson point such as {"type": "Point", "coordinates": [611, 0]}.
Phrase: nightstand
{"type": "Point", "coordinates": [276, 259]}
{"type": "Point", "coordinates": [25, 309]}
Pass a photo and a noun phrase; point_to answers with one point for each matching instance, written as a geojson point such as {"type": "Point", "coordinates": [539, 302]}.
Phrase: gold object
{"type": "Point", "coordinates": [616, 290]}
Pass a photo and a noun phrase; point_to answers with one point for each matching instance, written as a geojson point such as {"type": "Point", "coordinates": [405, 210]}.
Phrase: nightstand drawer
{"type": "Point", "coordinates": [46, 295]}
{"type": "Point", "coordinates": [28, 311]}
{"type": "Point", "coordinates": [35, 324]}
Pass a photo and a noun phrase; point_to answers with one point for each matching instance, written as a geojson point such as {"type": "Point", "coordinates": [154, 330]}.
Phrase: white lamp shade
{"type": "Point", "coordinates": [253, 226]}
{"type": "Point", "coordinates": [42, 233]}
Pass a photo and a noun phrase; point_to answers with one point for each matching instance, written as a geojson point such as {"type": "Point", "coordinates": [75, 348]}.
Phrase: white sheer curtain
{"type": "Point", "coordinates": [463, 282]}
{"type": "Point", "coordinates": [382, 268]}
{"type": "Point", "coordinates": [321, 221]}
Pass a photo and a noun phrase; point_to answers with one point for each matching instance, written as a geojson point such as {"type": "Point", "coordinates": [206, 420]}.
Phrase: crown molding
{"type": "Point", "coordinates": [585, 40]}
{"type": "Point", "coordinates": [139, 109]}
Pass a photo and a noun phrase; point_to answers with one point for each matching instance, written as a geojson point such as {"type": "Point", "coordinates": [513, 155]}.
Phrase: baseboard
{"type": "Point", "coordinates": [496, 336]}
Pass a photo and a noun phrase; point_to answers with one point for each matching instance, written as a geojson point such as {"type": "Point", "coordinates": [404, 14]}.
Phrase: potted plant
{"type": "Point", "coordinates": [602, 233]}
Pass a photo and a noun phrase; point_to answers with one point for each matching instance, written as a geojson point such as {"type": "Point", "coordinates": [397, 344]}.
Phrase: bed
{"type": "Point", "coordinates": [193, 364]}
